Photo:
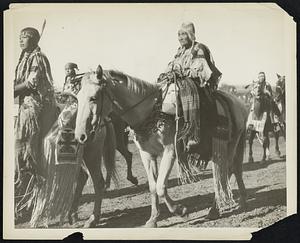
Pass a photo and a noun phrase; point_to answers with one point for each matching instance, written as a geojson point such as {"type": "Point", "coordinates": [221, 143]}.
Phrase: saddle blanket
{"type": "Point", "coordinates": [66, 147]}
{"type": "Point", "coordinates": [256, 125]}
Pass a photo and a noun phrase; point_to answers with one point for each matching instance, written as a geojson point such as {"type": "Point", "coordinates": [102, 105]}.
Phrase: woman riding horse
{"type": "Point", "coordinates": [194, 62]}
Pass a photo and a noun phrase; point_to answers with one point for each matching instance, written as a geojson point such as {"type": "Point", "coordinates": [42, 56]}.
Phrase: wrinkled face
{"type": "Point", "coordinates": [93, 107]}
{"type": "Point", "coordinates": [183, 38]}
{"type": "Point", "coordinates": [25, 41]}
{"type": "Point", "coordinates": [70, 71]}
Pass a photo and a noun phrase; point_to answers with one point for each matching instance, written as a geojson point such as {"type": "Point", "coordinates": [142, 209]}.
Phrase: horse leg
{"type": "Point", "coordinates": [165, 168]}
{"type": "Point", "coordinates": [92, 157]}
{"type": "Point", "coordinates": [122, 148]}
{"type": "Point", "coordinates": [238, 172]}
{"type": "Point", "coordinates": [266, 145]}
{"type": "Point", "coordinates": [251, 138]}
{"type": "Point", "coordinates": [150, 165]}
{"type": "Point", "coordinates": [277, 151]}
{"type": "Point", "coordinates": [82, 178]}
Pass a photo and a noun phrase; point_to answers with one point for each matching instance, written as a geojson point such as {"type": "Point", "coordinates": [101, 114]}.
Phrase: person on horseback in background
{"type": "Point", "coordinates": [72, 86]}
{"type": "Point", "coordinates": [193, 61]}
{"type": "Point", "coordinates": [72, 80]}
{"type": "Point", "coordinates": [34, 94]}
{"type": "Point", "coordinates": [264, 88]}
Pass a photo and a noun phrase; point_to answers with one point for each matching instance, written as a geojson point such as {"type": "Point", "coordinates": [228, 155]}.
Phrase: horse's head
{"type": "Point", "coordinates": [280, 80]}
{"type": "Point", "coordinates": [93, 105]}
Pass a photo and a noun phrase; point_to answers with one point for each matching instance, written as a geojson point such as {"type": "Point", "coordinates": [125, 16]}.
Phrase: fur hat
{"type": "Point", "coordinates": [189, 28]}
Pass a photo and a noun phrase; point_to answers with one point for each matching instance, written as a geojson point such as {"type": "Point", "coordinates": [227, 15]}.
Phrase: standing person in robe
{"type": "Point", "coordinates": [34, 92]}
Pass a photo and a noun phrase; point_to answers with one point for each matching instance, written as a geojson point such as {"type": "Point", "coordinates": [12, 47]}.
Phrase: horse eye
{"type": "Point", "coordinates": [93, 99]}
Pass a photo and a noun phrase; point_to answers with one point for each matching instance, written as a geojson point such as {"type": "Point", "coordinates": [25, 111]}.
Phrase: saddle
{"type": "Point", "coordinates": [66, 144]}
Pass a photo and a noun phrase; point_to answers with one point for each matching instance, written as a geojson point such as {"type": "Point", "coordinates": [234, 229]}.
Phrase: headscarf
{"type": "Point", "coordinates": [32, 33]}
{"type": "Point", "coordinates": [189, 28]}
{"type": "Point", "coordinates": [71, 65]}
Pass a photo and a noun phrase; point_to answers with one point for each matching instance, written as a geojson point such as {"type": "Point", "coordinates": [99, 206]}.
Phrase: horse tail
{"type": "Point", "coordinates": [220, 169]}
{"type": "Point", "coordinates": [109, 152]}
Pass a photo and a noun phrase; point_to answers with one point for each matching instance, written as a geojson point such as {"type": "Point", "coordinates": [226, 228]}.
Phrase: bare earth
{"type": "Point", "coordinates": [129, 206]}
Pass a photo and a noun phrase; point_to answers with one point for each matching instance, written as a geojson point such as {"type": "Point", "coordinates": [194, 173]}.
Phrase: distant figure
{"type": "Point", "coordinates": [72, 80]}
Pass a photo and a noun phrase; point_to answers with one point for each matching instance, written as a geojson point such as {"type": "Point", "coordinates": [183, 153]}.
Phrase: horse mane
{"type": "Point", "coordinates": [134, 85]}
{"type": "Point", "coordinates": [89, 77]}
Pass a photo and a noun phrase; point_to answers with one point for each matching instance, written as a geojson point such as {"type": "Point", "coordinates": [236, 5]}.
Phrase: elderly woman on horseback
{"type": "Point", "coordinates": [194, 69]}
{"type": "Point", "coordinates": [188, 61]}
{"type": "Point", "coordinates": [34, 93]}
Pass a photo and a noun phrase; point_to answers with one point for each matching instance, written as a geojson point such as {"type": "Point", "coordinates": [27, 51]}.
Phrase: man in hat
{"type": "Point", "coordinates": [34, 94]}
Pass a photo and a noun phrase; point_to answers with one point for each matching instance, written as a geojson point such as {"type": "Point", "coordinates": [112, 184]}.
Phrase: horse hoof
{"type": "Point", "coordinates": [133, 180]}
{"type": "Point", "coordinates": [213, 214]}
{"type": "Point", "coordinates": [278, 154]}
{"type": "Point", "coordinates": [250, 160]}
{"type": "Point", "coordinates": [73, 218]}
{"type": "Point", "coordinates": [91, 222]}
{"type": "Point", "coordinates": [242, 206]}
{"type": "Point", "coordinates": [107, 185]}
{"type": "Point", "coordinates": [151, 224]}
{"type": "Point", "coordinates": [181, 211]}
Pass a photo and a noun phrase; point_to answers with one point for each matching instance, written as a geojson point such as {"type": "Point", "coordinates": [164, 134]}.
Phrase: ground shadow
{"type": "Point", "coordinates": [255, 200]}
{"type": "Point", "coordinates": [139, 189]}
{"type": "Point", "coordinates": [142, 188]}
{"type": "Point", "coordinates": [260, 164]}
{"type": "Point", "coordinates": [136, 217]}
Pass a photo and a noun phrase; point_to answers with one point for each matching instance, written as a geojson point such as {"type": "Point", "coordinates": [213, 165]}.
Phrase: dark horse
{"type": "Point", "coordinates": [121, 138]}
{"type": "Point", "coordinates": [263, 111]}
{"type": "Point", "coordinates": [280, 100]}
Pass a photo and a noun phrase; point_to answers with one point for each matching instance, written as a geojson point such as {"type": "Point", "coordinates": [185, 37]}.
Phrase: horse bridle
{"type": "Point", "coordinates": [105, 92]}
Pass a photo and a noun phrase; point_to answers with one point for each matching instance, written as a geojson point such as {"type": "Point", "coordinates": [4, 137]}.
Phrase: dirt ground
{"type": "Point", "coordinates": [129, 206]}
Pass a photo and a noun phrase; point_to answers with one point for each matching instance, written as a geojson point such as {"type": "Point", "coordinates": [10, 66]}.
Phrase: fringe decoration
{"type": "Point", "coordinates": [223, 192]}
{"type": "Point", "coordinates": [189, 166]}
{"type": "Point", "coordinates": [54, 196]}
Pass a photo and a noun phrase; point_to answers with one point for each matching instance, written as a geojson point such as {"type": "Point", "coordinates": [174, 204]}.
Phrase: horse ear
{"type": "Point", "coordinates": [278, 76]}
{"type": "Point", "coordinates": [99, 72]}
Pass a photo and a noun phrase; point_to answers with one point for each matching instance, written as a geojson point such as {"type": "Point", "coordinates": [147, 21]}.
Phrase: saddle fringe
{"type": "Point", "coordinates": [54, 196]}
{"type": "Point", "coordinates": [223, 192]}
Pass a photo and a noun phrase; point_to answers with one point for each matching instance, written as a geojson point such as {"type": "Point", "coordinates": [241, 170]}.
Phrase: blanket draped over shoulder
{"type": "Point", "coordinates": [190, 102]}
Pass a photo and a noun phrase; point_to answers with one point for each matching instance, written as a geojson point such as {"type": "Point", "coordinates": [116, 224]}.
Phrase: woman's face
{"type": "Point", "coordinates": [183, 38]}
{"type": "Point", "coordinates": [25, 41]}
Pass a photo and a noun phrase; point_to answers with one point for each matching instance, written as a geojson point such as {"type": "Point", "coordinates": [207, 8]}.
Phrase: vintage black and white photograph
{"type": "Point", "coordinates": [179, 116]}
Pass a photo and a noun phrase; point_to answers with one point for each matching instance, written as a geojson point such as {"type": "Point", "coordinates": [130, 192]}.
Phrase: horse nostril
{"type": "Point", "coordinates": [82, 138]}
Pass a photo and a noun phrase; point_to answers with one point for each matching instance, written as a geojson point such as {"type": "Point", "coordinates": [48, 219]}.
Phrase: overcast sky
{"type": "Point", "coordinates": [141, 39]}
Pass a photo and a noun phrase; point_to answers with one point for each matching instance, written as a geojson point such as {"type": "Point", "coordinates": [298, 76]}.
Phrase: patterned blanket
{"type": "Point", "coordinates": [190, 102]}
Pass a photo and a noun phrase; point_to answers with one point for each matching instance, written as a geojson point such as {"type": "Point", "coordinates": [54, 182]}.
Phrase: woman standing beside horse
{"type": "Point", "coordinates": [34, 94]}
{"type": "Point", "coordinates": [33, 91]}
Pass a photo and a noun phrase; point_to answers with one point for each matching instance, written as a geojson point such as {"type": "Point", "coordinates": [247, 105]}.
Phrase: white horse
{"type": "Point", "coordinates": [134, 100]}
